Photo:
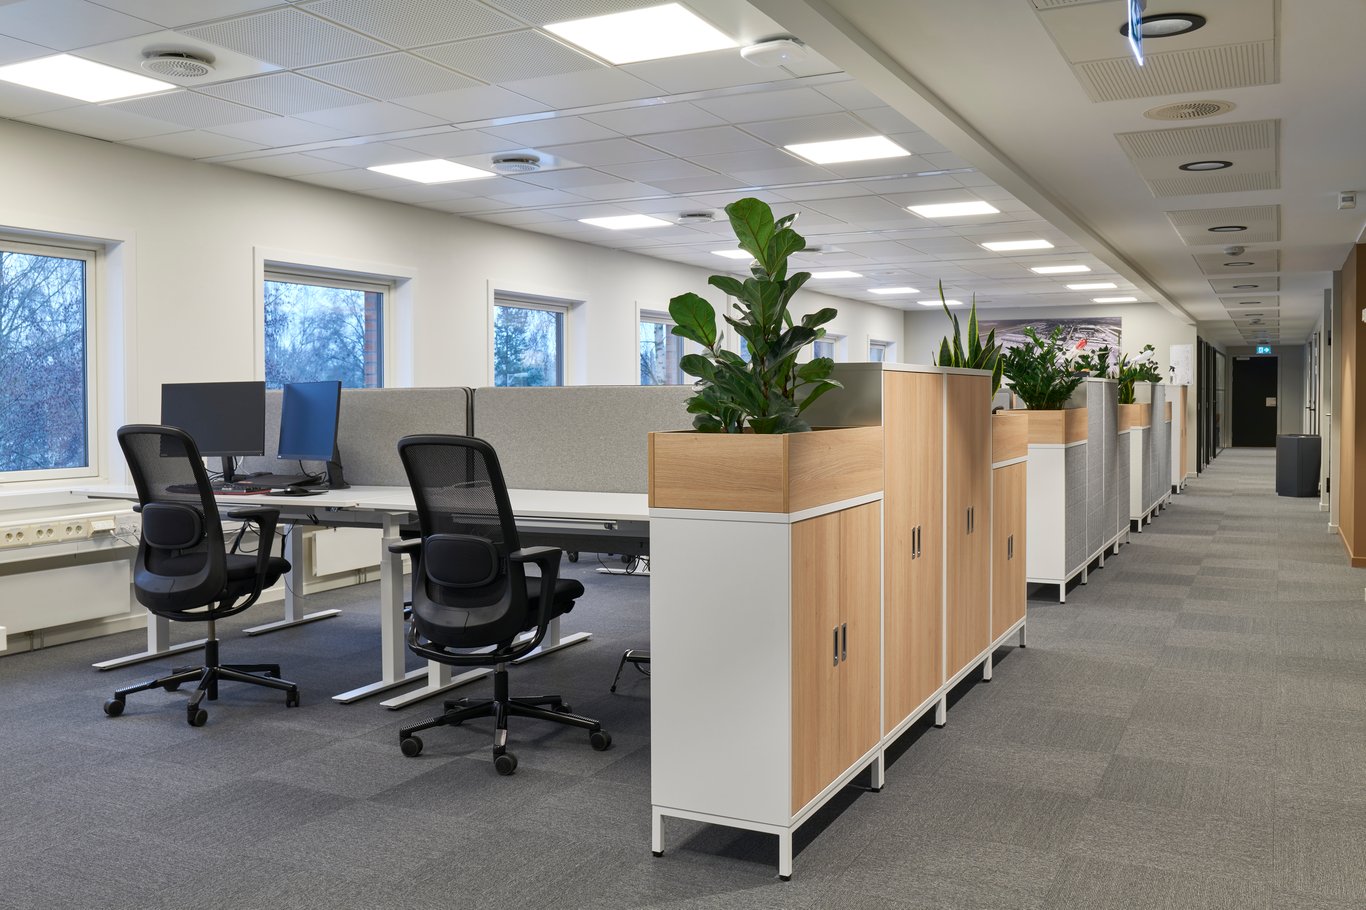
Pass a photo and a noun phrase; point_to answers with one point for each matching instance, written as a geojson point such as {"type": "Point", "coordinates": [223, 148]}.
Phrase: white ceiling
{"type": "Point", "coordinates": [319, 90]}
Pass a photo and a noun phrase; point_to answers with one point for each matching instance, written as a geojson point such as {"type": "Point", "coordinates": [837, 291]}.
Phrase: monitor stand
{"type": "Point", "coordinates": [336, 480]}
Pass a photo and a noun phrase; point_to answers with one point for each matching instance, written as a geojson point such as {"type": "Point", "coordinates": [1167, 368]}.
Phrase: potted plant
{"type": "Point", "coordinates": [1142, 367]}
{"type": "Point", "coordinates": [1040, 372]}
{"type": "Point", "coordinates": [1094, 363]}
{"type": "Point", "coordinates": [976, 354]}
{"type": "Point", "coordinates": [767, 393]}
{"type": "Point", "coordinates": [750, 449]}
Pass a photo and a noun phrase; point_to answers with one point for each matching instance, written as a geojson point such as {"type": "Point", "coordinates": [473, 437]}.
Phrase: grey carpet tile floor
{"type": "Point", "coordinates": [1187, 732]}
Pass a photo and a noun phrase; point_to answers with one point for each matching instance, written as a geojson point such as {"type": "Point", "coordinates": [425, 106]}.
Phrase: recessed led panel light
{"type": "Point", "coordinates": [894, 290]}
{"type": "Point", "coordinates": [1114, 299]}
{"type": "Point", "coordinates": [839, 151]}
{"type": "Point", "coordinates": [437, 170]}
{"type": "Point", "coordinates": [653, 33]}
{"type": "Point", "coordinates": [954, 209]}
{"type": "Point", "coordinates": [626, 222]}
{"type": "Point", "coordinates": [1006, 246]}
{"type": "Point", "coordinates": [732, 254]}
{"type": "Point", "coordinates": [836, 273]}
{"type": "Point", "coordinates": [1093, 286]}
{"type": "Point", "coordinates": [940, 302]}
{"type": "Point", "coordinates": [84, 80]}
{"type": "Point", "coordinates": [1059, 269]}
{"type": "Point", "coordinates": [1227, 229]}
{"type": "Point", "coordinates": [1205, 165]}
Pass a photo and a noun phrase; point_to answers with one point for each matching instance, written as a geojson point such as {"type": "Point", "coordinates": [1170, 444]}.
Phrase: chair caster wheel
{"type": "Point", "coordinates": [113, 707]}
{"type": "Point", "coordinates": [656, 853]}
{"type": "Point", "coordinates": [563, 708]}
{"type": "Point", "coordinates": [600, 740]}
{"type": "Point", "coordinates": [573, 557]}
{"type": "Point", "coordinates": [292, 698]}
{"type": "Point", "coordinates": [170, 686]}
{"type": "Point", "coordinates": [505, 763]}
{"type": "Point", "coordinates": [196, 717]}
{"type": "Point", "coordinates": [411, 746]}
{"type": "Point", "coordinates": [784, 878]}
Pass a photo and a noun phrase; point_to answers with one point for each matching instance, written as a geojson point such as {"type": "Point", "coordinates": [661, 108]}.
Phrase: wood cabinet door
{"type": "Point", "coordinates": [816, 708]}
{"type": "Point", "coordinates": [967, 419]}
{"type": "Point", "coordinates": [1007, 542]}
{"type": "Point", "coordinates": [913, 514]}
{"type": "Point", "coordinates": [860, 630]}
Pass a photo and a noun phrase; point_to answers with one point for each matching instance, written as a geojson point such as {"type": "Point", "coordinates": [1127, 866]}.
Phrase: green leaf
{"type": "Point", "coordinates": [697, 365]}
{"type": "Point", "coordinates": [752, 221]}
{"type": "Point", "coordinates": [730, 286]}
{"type": "Point", "coordinates": [694, 319]}
{"type": "Point", "coordinates": [945, 357]}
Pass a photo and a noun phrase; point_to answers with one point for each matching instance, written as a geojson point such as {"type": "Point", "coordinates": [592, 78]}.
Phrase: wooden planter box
{"type": "Point", "coordinates": [1009, 435]}
{"type": "Point", "coordinates": [747, 472]}
{"type": "Point", "coordinates": [1135, 415]}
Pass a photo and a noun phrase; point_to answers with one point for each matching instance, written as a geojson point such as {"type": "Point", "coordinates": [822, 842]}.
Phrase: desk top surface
{"type": "Point", "coordinates": [560, 504]}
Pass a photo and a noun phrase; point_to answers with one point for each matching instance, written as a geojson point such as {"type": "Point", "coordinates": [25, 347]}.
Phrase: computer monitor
{"type": "Point", "coordinates": [223, 418]}
{"type": "Point", "coordinates": [309, 414]}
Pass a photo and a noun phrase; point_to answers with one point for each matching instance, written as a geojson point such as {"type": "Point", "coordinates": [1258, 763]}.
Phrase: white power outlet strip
{"type": "Point", "coordinates": [14, 536]}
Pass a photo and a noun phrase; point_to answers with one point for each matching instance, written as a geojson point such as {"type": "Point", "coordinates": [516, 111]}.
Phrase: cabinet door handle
{"type": "Point", "coordinates": [836, 633]}
{"type": "Point", "coordinates": [915, 542]}
{"type": "Point", "coordinates": [1010, 547]}
{"type": "Point", "coordinates": [844, 633]}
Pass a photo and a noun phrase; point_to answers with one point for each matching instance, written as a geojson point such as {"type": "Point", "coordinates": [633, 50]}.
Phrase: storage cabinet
{"type": "Point", "coordinates": [967, 600]}
{"type": "Point", "coordinates": [1008, 587]}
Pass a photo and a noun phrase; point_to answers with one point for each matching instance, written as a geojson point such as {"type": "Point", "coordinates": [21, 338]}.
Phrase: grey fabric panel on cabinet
{"type": "Point", "coordinates": [1155, 481]}
{"type": "Point", "coordinates": [1074, 486]}
{"type": "Point", "coordinates": [1096, 527]}
{"type": "Point", "coordinates": [370, 425]}
{"type": "Point", "coordinates": [1122, 455]}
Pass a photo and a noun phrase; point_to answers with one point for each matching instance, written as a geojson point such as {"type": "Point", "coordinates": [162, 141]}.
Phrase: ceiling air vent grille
{"type": "Point", "coordinates": [1203, 69]}
{"type": "Point", "coordinates": [1189, 110]}
{"type": "Point", "coordinates": [177, 65]}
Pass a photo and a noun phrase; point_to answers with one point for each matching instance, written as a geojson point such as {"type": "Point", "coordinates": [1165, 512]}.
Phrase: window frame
{"type": "Point", "coordinates": [837, 346]}
{"type": "Point", "coordinates": [887, 347]}
{"type": "Point", "coordinates": [659, 317]}
{"type": "Point", "coordinates": [528, 301]}
{"type": "Point", "coordinates": [349, 281]}
{"type": "Point", "coordinates": [52, 247]}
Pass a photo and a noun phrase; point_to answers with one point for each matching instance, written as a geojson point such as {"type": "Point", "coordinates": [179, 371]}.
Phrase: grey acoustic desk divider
{"type": "Point", "coordinates": [371, 424]}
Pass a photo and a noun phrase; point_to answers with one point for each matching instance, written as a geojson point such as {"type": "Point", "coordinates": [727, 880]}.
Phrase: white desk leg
{"type": "Point", "coordinates": [392, 673]}
{"type": "Point", "coordinates": [294, 582]}
{"type": "Point", "coordinates": [554, 641]}
{"type": "Point", "coordinates": [158, 645]}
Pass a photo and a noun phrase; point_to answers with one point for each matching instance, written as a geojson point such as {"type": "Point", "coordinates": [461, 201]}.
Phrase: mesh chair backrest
{"type": "Point", "coordinates": [459, 489]}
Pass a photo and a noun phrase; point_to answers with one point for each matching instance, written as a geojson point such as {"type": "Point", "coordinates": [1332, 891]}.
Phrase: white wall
{"type": "Point", "coordinates": [1141, 324]}
{"type": "Point", "coordinates": [200, 231]}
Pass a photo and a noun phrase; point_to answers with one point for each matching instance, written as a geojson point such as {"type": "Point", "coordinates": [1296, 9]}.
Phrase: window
{"type": "Point", "coordinates": [47, 397]}
{"type": "Point", "coordinates": [528, 342]}
{"type": "Point", "coordinates": [660, 351]}
{"type": "Point", "coordinates": [829, 346]}
{"type": "Point", "coordinates": [878, 351]}
{"type": "Point", "coordinates": [323, 328]}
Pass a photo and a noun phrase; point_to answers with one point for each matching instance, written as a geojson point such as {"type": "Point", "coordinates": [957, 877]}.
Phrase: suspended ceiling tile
{"type": "Point", "coordinates": [862, 209]}
{"type": "Point", "coordinates": [663, 169]}
{"type": "Point", "coordinates": [279, 131]}
{"type": "Point", "coordinates": [770, 159]}
{"type": "Point", "coordinates": [1263, 223]}
{"type": "Point", "coordinates": [774, 105]}
{"type": "Point", "coordinates": [1216, 263]}
{"type": "Point", "coordinates": [573, 179]}
{"type": "Point", "coordinates": [390, 76]}
{"type": "Point", "coordinates": [711, 183]}
{"type": "Point", "coordinates": [177, 13]}
{"type": "Point", "coordinates": [706, 141]}
{"type": "Point", "coordinates": [525, 54]}
{"type": "Point", "coordinates": [67, 24]}
{"type": "Point", "coordinates": [285, 93]}
{"type": "Point", "coordinates": [607, 151]}
{"type": "Point", "coordinates": [703, 72]}
{"type": "Point", "coordinates": [288, 37]}
{"type": "Point", "coordinates": [354, 180]}
{"type": "Point", "coordinates": [1260, 284]}
{"type": "Point", "coordinates": [367, 155]}
{"type": "Point", "coordinates": [466, 105]}
{"type": "Point", "coordinates": [19, 101]}
{"type": "Point", "coordinates": [459, 144]}
{"type": "Point", "coordinates": [647, 119]}
{"type": "Point", "coordinates": [584, 88]}
{"type": "Point", "coordinates": [291, 165]}
{"type": "Point", "coordinates": [195, 144]}
{"type": "Point", "coordinates": [375, 117]}
{"type": "Point", "coordinates": [1259, 303]}
{"type": "Point", "coordinates": [529, 196]}
{"type": "Point", "coordinates": [409, 23]}
{"type": "Point", "coordinates": [189, 109]}
{"type": "Point", "coordinates": [808, 129]}
{"type": "Point", "coordinates": [1209, 69]}
{"type": "Point", "coordinates": [12, 50]}
{"type": "Point", "coordinates": [128, 54]}
{"type": "Point", "coordinates": [545, 12]}
{"type": "Point", "coordinates": [100, 122]}
{"type": "Point", "coordinates": [615, 192]}
{"type": "Point", "coordinates": [914, 184]}
{"type": "Point", "coordinates": [521, 219]}
{"type": "Point", "coordinates": [1252, 148]}
{"type": "Point", "coordinates": [553, 131]}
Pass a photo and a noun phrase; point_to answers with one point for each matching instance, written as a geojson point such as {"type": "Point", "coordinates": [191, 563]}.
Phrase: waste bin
{"type": "Point", "coordinates": [1297, 465]}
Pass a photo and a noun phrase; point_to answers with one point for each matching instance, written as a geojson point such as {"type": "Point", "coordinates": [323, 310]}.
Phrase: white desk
{"type": "Point", "coordinates": [558, 513]}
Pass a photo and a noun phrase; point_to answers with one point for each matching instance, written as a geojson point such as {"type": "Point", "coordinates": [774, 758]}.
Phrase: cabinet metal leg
{"type": "Point", "coordinates": [941, 712]}
{"type": "Point", "coordinates": [656, 832]}
{"type": "Point", "coordinates": [785, 855]}
{"type": "Point", "coordinates": [986, 669]}
{"type": "Point", "coordinates": [877, 772]}
{"type": "Point", "coordinates": [1022, 637]}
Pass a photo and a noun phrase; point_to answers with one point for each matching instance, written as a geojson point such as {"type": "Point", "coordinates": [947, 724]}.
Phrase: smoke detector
{"type": "Point", "coordinates": [778, 51]}
{"type": "Point", "coordinates": [177, 64]}
{"type": "Point", "coordinates": [703, 216]}
{"type": "Point", "coordinates": [516, 163]}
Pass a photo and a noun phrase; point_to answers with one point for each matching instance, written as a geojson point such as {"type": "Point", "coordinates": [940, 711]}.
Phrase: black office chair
{"type": "Point", "coordinates": [472, 598]}
{"type": "Point", "coordinates": [182, 570]}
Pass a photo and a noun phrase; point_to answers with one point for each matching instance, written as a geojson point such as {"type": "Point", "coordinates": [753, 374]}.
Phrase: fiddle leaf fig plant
{"type": "Point", "coordinates": [1040, 372]}
{"type": "Point", "coordinates": [1142, 367]}
{"type": "Point", "coordinates": [769, 392]}
{"type": "Point", "coordinates": [976, 354]}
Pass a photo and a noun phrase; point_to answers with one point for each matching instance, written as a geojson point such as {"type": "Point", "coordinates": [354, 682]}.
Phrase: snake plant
{"type": "Point", "coordinates": [975, 354]}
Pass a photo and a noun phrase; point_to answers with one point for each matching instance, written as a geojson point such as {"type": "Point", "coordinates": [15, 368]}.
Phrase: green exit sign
{"type": "Point", "coordinates": [1263, 349]}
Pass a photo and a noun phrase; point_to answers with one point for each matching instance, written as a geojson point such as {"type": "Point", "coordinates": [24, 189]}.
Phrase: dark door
{"type": "Point", "coordinates": [1254, 401]}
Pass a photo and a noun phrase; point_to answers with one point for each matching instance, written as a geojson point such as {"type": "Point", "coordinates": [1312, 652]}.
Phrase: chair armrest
{"type": "Point", "coordinates": [542, 556]}
{"type": "Point", "coordinates": [406, 547]}
{"type": "Point", "coordinates": [265, 520]}
{"type": "Point", "coordinates": [547, 559]}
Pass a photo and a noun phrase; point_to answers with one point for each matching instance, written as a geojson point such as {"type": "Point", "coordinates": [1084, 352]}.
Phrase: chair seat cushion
{"type": "Point", "coordinates": [567, 590]}
{"type": "Point", "coordinates": [242, 567]}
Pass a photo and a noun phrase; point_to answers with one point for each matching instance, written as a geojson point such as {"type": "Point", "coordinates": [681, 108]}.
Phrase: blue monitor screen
{"type": "Point", "coordinates": [223, 418]}
{"type": "Point", "coordinates": [308, 420]}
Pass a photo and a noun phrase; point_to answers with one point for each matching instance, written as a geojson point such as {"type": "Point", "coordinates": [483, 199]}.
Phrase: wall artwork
{"type": "Point", "coordinates": [1097, 330]}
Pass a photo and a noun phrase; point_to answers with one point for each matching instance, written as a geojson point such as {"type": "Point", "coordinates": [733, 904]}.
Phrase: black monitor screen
{"type": "Point", "coordinates": [223, 418]}
{"type": "Point", "coordinates": [308, 420]}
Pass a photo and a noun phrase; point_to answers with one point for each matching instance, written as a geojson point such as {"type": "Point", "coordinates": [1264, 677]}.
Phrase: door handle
{"type": "Point", "coordinates": [836, 632]}
{"type": "Point", "coordinates": [844, 633]}
{"type": "Point", "coordinates": [1010, 547]}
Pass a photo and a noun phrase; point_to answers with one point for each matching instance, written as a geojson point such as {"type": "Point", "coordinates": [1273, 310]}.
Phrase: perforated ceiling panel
{"type": "Point", "coordinates": [1194, 141]}
{"type": "Point", "coordinates": [506, 58]}
{"type": "Point", "coordinates": [391, 76]}
{"type": "Point", "coordinates": [1263, 223]}
{"type": "Point", "coordinates": [1252, 148]}
{"type": "Point", "coordinates": [1261, 261]}
{"type": "Point", "coordinates": [1203, 69]}
{"type": "Point", "coordinates": [287, 37]}
{"type": "Point", "coordinates": [285, 93]}
{"type": "Point", "coordinates": [1263, 304]}
{"type": "Point", "coordinates": [543, 12]}
{"type": "Point", "coordinates": [1250, 285]}
{"type": "Point", "coordinates": [189, 109]}
{"type": "Point", "coordinates": [1054, 4]}
{"type": "Point", "coordinates": [411, 23]}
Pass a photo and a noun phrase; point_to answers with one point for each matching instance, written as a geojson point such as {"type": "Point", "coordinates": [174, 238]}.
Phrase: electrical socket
{"type": "Point", "coordinates": [42, 533]}
{"type": "Point", "coordinates": [74, 529]}
{"type": "Point", "coordinates": [14, 536]}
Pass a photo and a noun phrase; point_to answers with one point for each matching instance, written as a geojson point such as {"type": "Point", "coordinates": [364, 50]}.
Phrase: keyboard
{"type": "Point", "coordinates": [218, 487]}
{"type": "Point", "coordinates": [278, 481]}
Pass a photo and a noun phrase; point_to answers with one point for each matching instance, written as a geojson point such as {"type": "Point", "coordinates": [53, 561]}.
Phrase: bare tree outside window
{"type": "Point", "coordinates": [44, 403]}
{"type": "Point", "coordinates": [660, 353]}
{"type": "Point", "coordinates": [318, 332]}
{"type": "Point", "coordinates": [528, 346]}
